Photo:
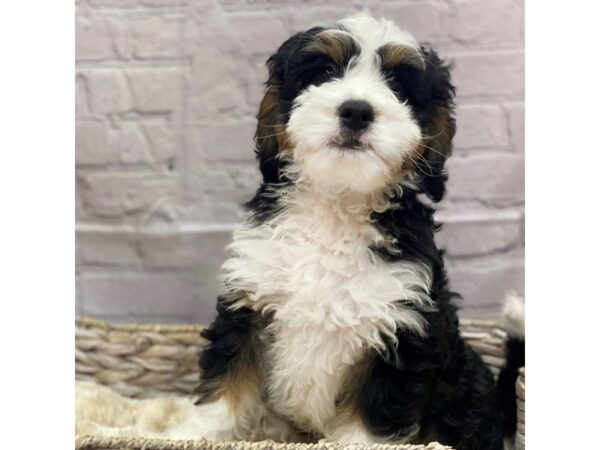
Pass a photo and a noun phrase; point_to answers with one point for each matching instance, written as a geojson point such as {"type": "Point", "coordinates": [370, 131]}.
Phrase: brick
{"type": "Point", "coordinates": [156, 37]}
{"type": "Point", "coordinates": [162, 141]}
{"type": "Point", "coordinates": [200, 251]}
{"type": "Point", "coordinates": [218, 191]}
{"type": "Point", "coordinates": [79, 302]}
{"type": "Point", "coordinates": [109, 91]}
{"type": "Point", "coordinates": [132, 145]}
{"type": "Point", "coordinates": [80, 213]}
{"type": "Point", "coordinates": [263, 29]}
{"type": "Point", "coordinates": [126, 4]}
{"type": "Point", "coordinates": [196, 249]}
{"type": "Point", "coordinates": [476, 234]}
{"type": "Point", "coordinates": [156, 89]}
{"type": "Point", "coordinates": [118, 28]}
{"type": "Point", "coordinates": [324, 15]}
{"type": "Point", "coordinates": [81, 97]}
{"type": "Point", "coordinates": [481, 126]}
{"type": "Point", "coordinates": [114, 3]}
{"type": "Point", "coordinates": [483, 283]}
{"type": "Point", "coordinates": [224, 141]}
{"type": "Point", "coordinates": [255, 88]}
{"type": "Point", "coordinates": [489, 74]}
{"type": "Point", "coordinates": [147, 295]}
{"type": "Point", "coordinates": [108, 247]}
{"type": "Point", "coordinates": [484, 22]}
{"type": "Point", "coordinates": [93, 39]}
{"type": "Point", "coordinates": [145, 143]}
{"type": "Point", "coordinates": [422, 19]}
{"type": "Point", "coordinates": [118, 194]}
{"type": "Point", "coordinates": [516, 125]}
{"type": "Point", "coordinates": [232, 182]}
{"type": "Point", "coordinates": [495, 179]}
{"type": "Point", "coordinates": [91, 143]}
{"type": "Point", "coordinates": [164, 2]}
{"type": "Point", "coordinates": [141, 4]}
{"type": "Point", "coordinates": [218, 92]}
{"type": "Point", "coordinates": [266, 31]}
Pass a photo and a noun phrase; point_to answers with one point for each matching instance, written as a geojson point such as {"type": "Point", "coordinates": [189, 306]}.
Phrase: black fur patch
{"type": "Point", "coordinates": [227, 336]}
{"type": "Point", "coordinates": [435, 381]}
{"type": "Point", "coordinates": [515, 358]}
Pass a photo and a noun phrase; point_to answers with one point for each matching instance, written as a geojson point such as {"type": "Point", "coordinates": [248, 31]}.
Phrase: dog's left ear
{"type": "Point", "coordinates": [440, 126]}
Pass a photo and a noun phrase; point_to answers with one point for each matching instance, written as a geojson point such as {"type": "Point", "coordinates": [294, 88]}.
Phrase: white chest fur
{"type": "Point", "coordinates": [331, 296]}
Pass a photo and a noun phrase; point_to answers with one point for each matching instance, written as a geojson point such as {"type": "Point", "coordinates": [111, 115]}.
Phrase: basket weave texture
{"type": "Point", "coordinates": [143, 361]}
{"type": "Point", "coordinates": [104, 443]}
{"type": "Point", "coordinates": [520, 435]}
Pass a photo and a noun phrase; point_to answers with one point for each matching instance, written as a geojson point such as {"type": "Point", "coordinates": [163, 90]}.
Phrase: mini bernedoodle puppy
{"type": "Point", "coordinates": [337, 322]}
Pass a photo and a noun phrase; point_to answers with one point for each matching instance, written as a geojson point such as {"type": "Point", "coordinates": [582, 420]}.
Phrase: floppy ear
{"type": "Point", "coordinates": [270, 129]}
{"type": "Point", "coordinates": [274, 110]}
{"type": "Point", "coordinates": [270, 134]}
{"type": "Point", "coordinates": [273, 113]}
{"type": "Point", "coordinates": [440, 126]}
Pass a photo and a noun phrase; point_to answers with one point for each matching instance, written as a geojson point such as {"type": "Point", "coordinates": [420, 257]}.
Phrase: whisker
{"type": "Point", "coordinates": [274, 118]}
{"type": "Point", "coordinates": [421, 169]}
{"type": "Point", "coordinates": [269, 126]}
{"type": "Point", "coordinates": [435, 151]}
{"type": "Point", "coordinates": [271, 135]}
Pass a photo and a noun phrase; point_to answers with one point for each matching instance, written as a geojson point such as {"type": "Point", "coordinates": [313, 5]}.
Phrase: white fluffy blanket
{"type": "Point", "coordinates": [101, 411]}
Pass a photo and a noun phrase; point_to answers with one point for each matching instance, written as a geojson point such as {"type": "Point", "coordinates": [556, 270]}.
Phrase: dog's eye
{"type": "Point", "coordinates": [396, 83]}
{"type": "Point", "coordinates": [392, 78]}
{"type": "Point", "coordinates": [326, 74]}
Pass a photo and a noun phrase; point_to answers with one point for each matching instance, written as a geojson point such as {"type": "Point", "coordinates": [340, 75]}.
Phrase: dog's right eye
{"type": "Point", "coordinates": [326, 74]}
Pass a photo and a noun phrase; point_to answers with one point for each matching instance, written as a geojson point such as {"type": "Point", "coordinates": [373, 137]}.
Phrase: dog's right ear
{"type": "Point", "coordinates": [273, 113]}
{"type": "Point", "coordinates": [270, 132]}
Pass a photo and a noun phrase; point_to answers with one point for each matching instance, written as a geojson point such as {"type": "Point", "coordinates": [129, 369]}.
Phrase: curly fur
{"type": "Point", "coordinates": [337, 319]}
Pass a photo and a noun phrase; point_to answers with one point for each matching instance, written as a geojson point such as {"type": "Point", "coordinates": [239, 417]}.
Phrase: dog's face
{"type": "Point", "coordinates": [355, 108]}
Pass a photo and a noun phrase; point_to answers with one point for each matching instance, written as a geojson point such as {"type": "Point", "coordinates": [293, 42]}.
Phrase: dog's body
{"type": "Point", "coordinates": [337, 321]}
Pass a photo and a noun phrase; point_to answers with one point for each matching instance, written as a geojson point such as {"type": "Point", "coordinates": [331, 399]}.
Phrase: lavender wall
{"type": "Point", "coordinates": [166, 96]}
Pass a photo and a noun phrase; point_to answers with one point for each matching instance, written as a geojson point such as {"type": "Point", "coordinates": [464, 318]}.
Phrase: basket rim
{"type": "Point", "coordinates": [92, 322]}
{"type": "Point", "coordinates": [127, 443]}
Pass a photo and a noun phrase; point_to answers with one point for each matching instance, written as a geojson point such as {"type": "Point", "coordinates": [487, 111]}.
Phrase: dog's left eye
{"type": "Point", "coordinates": [395, 83]}
{"type": "Point", "coordinates": [392, 78]}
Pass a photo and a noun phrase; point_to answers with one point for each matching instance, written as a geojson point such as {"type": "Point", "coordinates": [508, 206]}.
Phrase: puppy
{"type": "Point", "coordinates": [336, 321]}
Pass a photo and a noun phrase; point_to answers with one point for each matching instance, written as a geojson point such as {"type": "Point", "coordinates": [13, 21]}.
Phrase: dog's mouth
{"type": "Point", "coordinates": [350, 143]}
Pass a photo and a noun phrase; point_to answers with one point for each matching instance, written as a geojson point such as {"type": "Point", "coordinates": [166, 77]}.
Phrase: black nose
{"type": "Point", "coordinates": [356, 114]}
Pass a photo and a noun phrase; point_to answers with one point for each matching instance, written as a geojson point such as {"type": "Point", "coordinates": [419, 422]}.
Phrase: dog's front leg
{"type": "Point", "coordinates": [229, 404]}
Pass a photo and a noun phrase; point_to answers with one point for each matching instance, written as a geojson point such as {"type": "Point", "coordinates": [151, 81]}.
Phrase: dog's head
{"type": "Point", "coordinates": [356, 107]}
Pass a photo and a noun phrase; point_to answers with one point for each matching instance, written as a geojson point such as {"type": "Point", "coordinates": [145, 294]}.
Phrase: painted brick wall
{"type": "Point", "coordinates": [166, 96]}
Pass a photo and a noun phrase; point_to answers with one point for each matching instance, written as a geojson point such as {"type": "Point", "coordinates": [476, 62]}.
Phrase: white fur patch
{"type": "Point", "coordinates": [102, 411]}
{"type": "Point", "coordinates": [331, 296]}
{"type": "Point", "coordinates": [314, 120]}
{"type": "Point", "coordinates": [514, 316]}
{"type": "Point", "coordinates": [373, 33]}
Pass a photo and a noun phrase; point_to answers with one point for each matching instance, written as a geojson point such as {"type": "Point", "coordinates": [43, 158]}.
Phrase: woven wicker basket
{"type": "Point", "coordinates": [150, 360]}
